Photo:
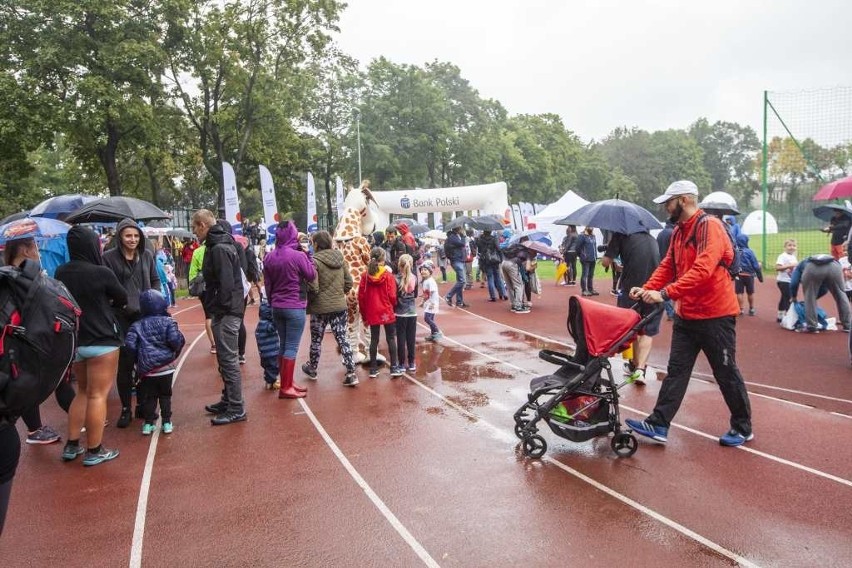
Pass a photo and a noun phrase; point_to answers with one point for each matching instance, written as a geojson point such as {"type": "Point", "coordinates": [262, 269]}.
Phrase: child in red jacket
{"type": "Point", "coordinates": [377, 301]}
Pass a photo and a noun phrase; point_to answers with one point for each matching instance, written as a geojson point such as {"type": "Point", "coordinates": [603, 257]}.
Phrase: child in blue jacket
{"type": "Point", "coordinates": [155, 342]}
{"type": "Point", "coordinates": [744, 284]}
{"type": "Point", "coordinates": [267, 344]}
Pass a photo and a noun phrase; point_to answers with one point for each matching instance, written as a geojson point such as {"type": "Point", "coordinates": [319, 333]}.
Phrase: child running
{"type": "Point", "coordinates": [155, 342]}
{"type": "Point", "coordinates": [406, 312]}
{"type": "Point", "coordinates": [430, 300]}
{"type": "Point", "coordinates": [784, 266]}
{"type": "Point", "coordinates": [266, 335]}
{"type": "Point", "coordinates": [377, 301]}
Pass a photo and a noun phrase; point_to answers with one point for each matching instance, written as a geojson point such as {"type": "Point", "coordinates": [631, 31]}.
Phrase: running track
{"type": "Point", "coordinates": [425, 469]}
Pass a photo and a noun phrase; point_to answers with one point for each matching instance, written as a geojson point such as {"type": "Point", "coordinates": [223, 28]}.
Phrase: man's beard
{"type": "Point", "coordinates": [675, 217]}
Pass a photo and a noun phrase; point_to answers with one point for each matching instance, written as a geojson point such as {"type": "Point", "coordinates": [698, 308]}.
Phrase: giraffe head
{"type": "Point", "coordinates": [358, 217]}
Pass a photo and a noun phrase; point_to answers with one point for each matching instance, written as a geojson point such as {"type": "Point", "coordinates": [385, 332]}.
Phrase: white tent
{"type": "Point", "coordinates": [564, 206]}
{"type": "Point", "coordinates": [753, 224]}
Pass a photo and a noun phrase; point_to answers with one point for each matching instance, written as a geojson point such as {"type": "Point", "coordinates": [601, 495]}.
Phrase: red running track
{"type": "Point", "coordinates": [425, 469]}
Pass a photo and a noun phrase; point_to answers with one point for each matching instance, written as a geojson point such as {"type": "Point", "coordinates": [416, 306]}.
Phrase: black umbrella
{"type": "Point", "coordinates": [487, 223]}
{"type": "Point", "coordinates": [613, 215]}
{"type": "Point", "coordinates": [458, 222]}
{"type": "Point", "coordinates": [14, 217]}
{"type": "Point", "coordinates": [826, 212]}
{"type": "Point", "coordinates": [115, 209]}
{"type": "Point", "coordinates": [719, 208]}
{"type": "Point", "coordinates": [413, 226]}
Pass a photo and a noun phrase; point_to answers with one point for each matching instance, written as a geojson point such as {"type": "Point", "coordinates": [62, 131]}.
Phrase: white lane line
{"type": "Point", "coordinates": [780, 460]}
{"type": "Point", "coordinates": [503, 435]}
{"type": "Point", "coordinates": [144, 488]}
{"type": "Point", "coordinates": [380, 505]}
{"type": "Point", "coordinates": [186, 309]}
{"type": "Point", "coordinates": [841, 415]}
{"type": "Point", "coordinates": [776, 399]}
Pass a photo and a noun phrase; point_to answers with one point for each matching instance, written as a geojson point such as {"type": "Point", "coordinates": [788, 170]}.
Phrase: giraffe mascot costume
{"type": "Point", "coordinates": [356, 221]}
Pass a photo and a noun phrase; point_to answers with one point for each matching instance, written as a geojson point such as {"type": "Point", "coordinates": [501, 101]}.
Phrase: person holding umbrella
{"type": "Point", "coordinates": [838, 226]}
{"type": "Point", "coordinates": [132, 262]}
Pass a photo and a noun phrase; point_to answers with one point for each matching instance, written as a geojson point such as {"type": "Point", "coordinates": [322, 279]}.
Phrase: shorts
{"type": "Point", "coordinates": [744, 284]}
{"type": "Point", "coordinates": [91, 351]}
{"type": "Point", "coordinates": [652, 328]}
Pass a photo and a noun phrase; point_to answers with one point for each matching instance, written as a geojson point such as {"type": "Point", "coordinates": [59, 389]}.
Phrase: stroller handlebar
{"type": "Point", "coordinates": [558, 358]}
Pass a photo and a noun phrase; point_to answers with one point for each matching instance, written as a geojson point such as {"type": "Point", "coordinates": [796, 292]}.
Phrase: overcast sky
{"type": "Point", "coordinates": [603, 64]}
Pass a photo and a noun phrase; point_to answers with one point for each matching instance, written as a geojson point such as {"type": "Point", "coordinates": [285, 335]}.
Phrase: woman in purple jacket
{"type": "Point", "coordinates": [286, 273]}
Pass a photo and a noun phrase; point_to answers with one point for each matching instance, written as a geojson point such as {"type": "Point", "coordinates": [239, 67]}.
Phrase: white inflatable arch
{"type": "Point", "coordinates": [487, 199]}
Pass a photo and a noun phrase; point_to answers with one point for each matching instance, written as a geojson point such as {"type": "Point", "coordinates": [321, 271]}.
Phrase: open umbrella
{"type": "Point", "coordinates": [33, 227]}
{"type": "Point", "coordinates": [14, 217]}
{"type": "Point", "coordinates": [179, 233]}
{"type": "Point", "coordinates": [838, 188]}
{"type": "Point", "coordinates": [542, 249]}
{"type": "Point", "coordinates": [718, 208]}
{"type": "Point", "coordinates": [436, 234]}
{"type": "Point", "coordinates": [533, 235]}
{"type": "Point", "coordinates": [613, 215]}
{"type": "Point", "coordinates": [826, 212]}
{"type": "Point", "coordinates": [487, 223]}
{"type": "Point", "coordinates": [60, 206]}
{"type": "Point", "coordinates": [458, 222]}
{"type": "Point", "coordinates": [117, 208]}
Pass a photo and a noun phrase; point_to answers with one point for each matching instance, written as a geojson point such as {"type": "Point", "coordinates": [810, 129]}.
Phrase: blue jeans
{"type": "Point", "coordinates": [495, 282]}
{"type": "Point", "coordinates": [458, 287]}
{"type": "Point", "coordinates": [290, 323]}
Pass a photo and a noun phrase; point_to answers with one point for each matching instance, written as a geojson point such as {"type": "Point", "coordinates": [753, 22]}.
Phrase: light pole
{"type": "Point", "coordinates": [357, 112]}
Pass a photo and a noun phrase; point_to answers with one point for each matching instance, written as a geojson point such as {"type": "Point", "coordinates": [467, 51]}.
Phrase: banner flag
{"type": "Point", "coordinates": [338, 184]}
{"type": "Point", "coordinates": [312, 205]}
{"type": "Point", "coordinates": [437, 221]}
{"type": "Point", "coordinates": [270, 204]}
{"type": "Point", "coordinates": [232, 199]}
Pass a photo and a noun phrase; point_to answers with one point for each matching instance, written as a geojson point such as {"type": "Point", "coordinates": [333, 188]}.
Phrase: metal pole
{"type": "Point", "coordinates": [358, 130]}
{"type": "Point", "coordinates": [764, 185]}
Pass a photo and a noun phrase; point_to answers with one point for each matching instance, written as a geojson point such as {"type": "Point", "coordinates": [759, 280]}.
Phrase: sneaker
{"type": "Point", "coordinates": [44, 435]}
{"type": "Point", "coordinates": [125, 418]}
{"type": "Point", "coordinates": [99, 457]}
{"type": "Point", "coordinates": [276, 385]}
{"type": "Point", "coordinates": [309, 371]}
{"type": "Point", "coordinates": [448, 300]}
{"type": "Point", "coordinates": [217, 408]}
{"type": "Point", "coordinates": [148, 429]}
{"type": "Point", "coordinates": [637, 377]}
{"type": "Point", "coordinates": [462, 305]}
{"type": "Point", "coordinates": [70, 453]}
{"type": "Point", "coordinates": [751, 311]}
{"type": "Point", "coordinates": [213, 349]}
{"type": "Point", "coordinates": [436, 336]}
{"type": "Point", "coordinates": [734, 438]}
{"type": "Point", "coordinates": [807, 329]}
{"type": "Point", "coordinates": [521, 310]}
{"type": "Point", "coordinates": [168, 428]}
{"type": "Point", "coordinates": [653, 431]}
{"type": "Point", "coordinates": [492, 299]}
{"type": "Point", "coordinates": [228, 418]}
{"type": "Point", "coordinates": [411, 368]}
{"type": "Point", "coordinates": [396, 371]}
{"type": "Point", "coordinates": [350, 380]}
{"type": "Point", "coordinates": [586, 293]}
{"type": "Point", "coordinates": [242, 359]}
{"type": "Point", "coordinates": [374, 373]}
{"type": "Point", "coordinates": [595, 293]}
{"type": "Point", "coordinates": [268, 386]}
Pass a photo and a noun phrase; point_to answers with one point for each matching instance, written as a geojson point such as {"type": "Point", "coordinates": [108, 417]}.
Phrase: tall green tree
{"type": "Point", "coordinates": [729, 150]}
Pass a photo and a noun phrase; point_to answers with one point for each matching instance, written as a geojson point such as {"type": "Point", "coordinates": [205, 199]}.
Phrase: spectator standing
{"type": "Point", "coordinates": [133, 263]}
{"type": "Point", "coordinates": [838, 226]}
{"type": "Point", "coordinates": [490, 259]}
{"type": "Point", "coordinates": [225, 302]}
{"type": "Point", "coordinates": [587, 252]}
{"type": "Point", "coordinates": [287, 273]}
{"type": "Point", "coordinates": [695, 277]}
{"type": "Point", "coordinates": [406, 313]}
{"type": "Point", "coordinates": [569, 255]}
{"type": "Point", "coordinates": [470, 252]}
{"type": "Point", "coordinates": [268, 346]}
{"type": "Point", "coordinates": [194, 271]}
{"type": "Point", "coordinates": [455, 249]}
{"type": "Point", "coordinates": [377, 300]}
{"type": "Point", "coordinates": [430, 301]}
{"type": "Point", "coordinates": [155, 342]}
{"type": "Point", "coordinates": [664, 237]}
{"type": "Point", "coordinates": [744, 284]}
{"type": "Point", "coordinates": [784, 266]}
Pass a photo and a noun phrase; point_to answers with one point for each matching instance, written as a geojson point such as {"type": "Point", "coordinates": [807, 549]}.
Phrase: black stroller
{"type": "Point", "coordinates": [577, 401]}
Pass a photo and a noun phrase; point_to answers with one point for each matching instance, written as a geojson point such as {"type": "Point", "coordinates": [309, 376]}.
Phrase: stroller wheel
{"type": "Point", "coordinates": [534, 446]}
{"type": "Point", "coordinates": [624, 445]}
{"type": "Point", "coordinates": [519, 428]}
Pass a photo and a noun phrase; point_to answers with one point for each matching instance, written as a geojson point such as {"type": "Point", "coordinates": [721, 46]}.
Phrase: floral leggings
{"type": "Point", "coordinates": [337, 321]}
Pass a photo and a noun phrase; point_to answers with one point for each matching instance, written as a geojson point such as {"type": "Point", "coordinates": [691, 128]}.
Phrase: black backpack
{"type": "Point", "coordinates": [39, 320]}
{"type": "Point", "coordinates": [736, 264]}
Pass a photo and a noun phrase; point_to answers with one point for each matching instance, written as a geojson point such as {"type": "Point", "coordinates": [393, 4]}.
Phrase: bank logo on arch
{"type": "Point", "coordinates": [405, 202]}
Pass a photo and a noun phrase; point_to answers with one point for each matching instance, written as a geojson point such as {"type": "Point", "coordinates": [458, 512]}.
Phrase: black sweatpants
{"type": "Point", "coordinates": [157, 389]}
{"type": "Point", "coordinates": [717, 338]}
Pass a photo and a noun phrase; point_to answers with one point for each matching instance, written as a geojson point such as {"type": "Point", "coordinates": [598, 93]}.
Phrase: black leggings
{"type": "Point", "coordinates": [571, 262]}
{"type": "Point", "coordinates": [390, 335]}
{"type": "Point", "coordinates": [124, 377]}
{"type": "Point", "coordinates": [784, 301]}
{"type": "Point", "coordinates": [10, 453]}
{"type": "Point", "coordinates": [64, 395]}
{"type": "Point", "coordinates": [157, 389]}
{"type": "Point", "coordinates": [406, 333]}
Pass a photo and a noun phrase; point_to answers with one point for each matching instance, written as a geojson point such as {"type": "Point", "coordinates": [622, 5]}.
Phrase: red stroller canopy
{"type": "Point", "coordinates": [603, 325]}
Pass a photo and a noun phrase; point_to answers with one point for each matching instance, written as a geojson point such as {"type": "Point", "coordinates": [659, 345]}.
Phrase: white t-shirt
{"type": "Point", "coordinates": [784, 259]}
{"type": "Point", "coordinates": [847, 273]}
{"type": "Point", "coordinates": [432, 303]}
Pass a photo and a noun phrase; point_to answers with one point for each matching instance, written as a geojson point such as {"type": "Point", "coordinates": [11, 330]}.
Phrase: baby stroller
{"type": "Point", "coordinates": [577, 401]}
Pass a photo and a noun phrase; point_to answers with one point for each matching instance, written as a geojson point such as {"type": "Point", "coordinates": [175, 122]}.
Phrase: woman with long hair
{"type": "Point", "coordinates": [406, 313]}
{"type": "Point", "coordinates": [97, 290]}
{"type": "Point", "coordinates": [377, 301]}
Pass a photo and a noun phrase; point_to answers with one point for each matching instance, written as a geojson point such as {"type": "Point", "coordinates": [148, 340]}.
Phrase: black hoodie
{"type": "Point", "coordinates": [135, 275]}
{"type": "Point", "coordinates": [221, 269]}
{"type": "Point", "coordinates": [95, 288]}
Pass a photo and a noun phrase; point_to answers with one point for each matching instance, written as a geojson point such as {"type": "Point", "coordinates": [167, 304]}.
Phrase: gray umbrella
{"type": "Point", "coordinates": [826, 212]}
{"type": "Point", "coordinates": [613, 215]}
{"type": "Point", "coordinates": [487, 223]}
{"type": "Point", "coordinates": [458, 222]}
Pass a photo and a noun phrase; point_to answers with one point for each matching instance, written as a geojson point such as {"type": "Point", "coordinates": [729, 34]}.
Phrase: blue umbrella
{"type": "Point", "coordinates": [33, 227]}
{"type": "Point", "coordinates": [613, 215]}
{"type": "Point", "coordinates": [60, 206]}
{"type": "Point", "coordinates": [534, 235]}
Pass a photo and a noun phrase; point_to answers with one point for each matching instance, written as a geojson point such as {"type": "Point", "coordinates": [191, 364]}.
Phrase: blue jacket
{"type": "Point", "coordinates": [750, 265]}
{"type": "Point", "coordinates": [266, 334]}
{"type": "Point", "coordinates": [454, 247]}
{"type": "Point", "coordinates": [587, 248]}
{"type": "Point", "coordinates": [154, 340]}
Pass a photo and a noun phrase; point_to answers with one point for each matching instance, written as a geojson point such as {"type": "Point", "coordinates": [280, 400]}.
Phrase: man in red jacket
{"type": "Point", "coordinates": [694, 276]}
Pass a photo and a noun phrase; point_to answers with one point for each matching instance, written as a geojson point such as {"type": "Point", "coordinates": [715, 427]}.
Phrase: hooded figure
{"type": "Point", "coordinates": [287, 270]}
{"type": "Point", "coordinates": [134, 267]}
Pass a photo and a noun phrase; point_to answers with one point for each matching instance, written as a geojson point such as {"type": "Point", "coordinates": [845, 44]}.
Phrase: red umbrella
{"type": "Point", "coordinates": [835, 190]}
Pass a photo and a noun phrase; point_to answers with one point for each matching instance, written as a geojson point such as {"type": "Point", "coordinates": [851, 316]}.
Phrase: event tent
{"type": "Point", "coordinates": [543, 220]}
{"type": "Point", "coordinates": [753, 224]}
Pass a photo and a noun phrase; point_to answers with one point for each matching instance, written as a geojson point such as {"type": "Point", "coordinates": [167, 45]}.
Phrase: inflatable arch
{"type": "Point", "coordinates": [487, 199]}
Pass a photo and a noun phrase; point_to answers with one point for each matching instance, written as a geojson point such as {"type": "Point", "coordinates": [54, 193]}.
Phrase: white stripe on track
{"type": "Point", "coordinates": [371, 495]}
{"type": "Point", "coordinates": [144, 488]}
{"type": "Point", "coordinates": [187, 309]}
{"type": "Point", "coordinates": [503, 435]}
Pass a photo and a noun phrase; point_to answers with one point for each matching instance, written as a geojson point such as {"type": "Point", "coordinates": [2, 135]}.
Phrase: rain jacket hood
{"type": "Point", "coordinates": [287, 236]}
{"type": "Point", "coordinates": [126, 224]}
{"type": "Point", "coordinates": [331, 258]}
{"type": "Point", "coordinates": [84, 245]}
{"type": "Point", "coordinates": [153, 303]}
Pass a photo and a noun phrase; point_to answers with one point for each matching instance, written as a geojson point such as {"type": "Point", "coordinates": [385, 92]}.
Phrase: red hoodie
{"type": "Point", "coordinates": [377, 297]}
{"type": "Point", "coordinates": [406, 236]}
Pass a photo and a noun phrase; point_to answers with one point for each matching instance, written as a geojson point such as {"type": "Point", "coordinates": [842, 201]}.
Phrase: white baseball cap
{"type": "Point", "coordinates": [682, 187]}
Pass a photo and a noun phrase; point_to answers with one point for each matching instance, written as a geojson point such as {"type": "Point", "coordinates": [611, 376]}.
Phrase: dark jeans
{"type": "Point", "coordinates": [784, 301]}
{"type": "Point", "coordinates": [588, 276]}
{"type": "Point", "coordinates": [495, 281]}
{"type": "Point", "coordinates": [406, 332]}
{"type": "Point", "coordinates": [124, 378]}
{"type": "Point", "coordinates": [226, 330]}
{"type": "Point", "coordinates": [157, 389]}
{"type": "Point", "coordinates": [270, 369]}
{"type": "Point", "coordinates": [390, 336]}
{"type": "Point", "coordinates": [717, 338]}
{"type": "Point", "coordinates": [571, 262]}
{"type": "Point", "coordinates": [458, 287]}
{"type": "Point", "coordinates": [429, 318]}
{"type": "Point", "coordinates": [10, 453]}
